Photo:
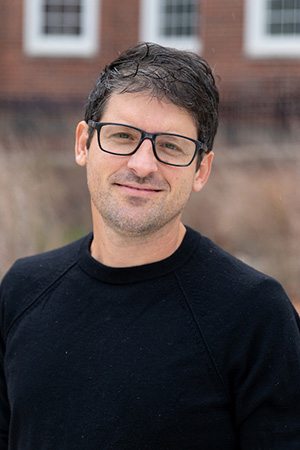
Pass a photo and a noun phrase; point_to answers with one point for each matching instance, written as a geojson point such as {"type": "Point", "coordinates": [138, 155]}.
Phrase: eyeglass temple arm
{"type": "Point", "coordinates": [92, 123]}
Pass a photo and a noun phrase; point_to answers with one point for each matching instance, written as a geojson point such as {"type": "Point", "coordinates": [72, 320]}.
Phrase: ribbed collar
{"type": "Point", "coordinates": [135, 274]}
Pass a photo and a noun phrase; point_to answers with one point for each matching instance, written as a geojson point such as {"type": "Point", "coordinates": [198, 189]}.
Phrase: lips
{"type": "Point", "coordinates": [131, 184]}
{"type": "Point", "coordinates": [139, 189]}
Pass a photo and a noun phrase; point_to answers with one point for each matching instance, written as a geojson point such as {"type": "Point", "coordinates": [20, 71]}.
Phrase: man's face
{"type": "Point", "coordinates": [138, 195]}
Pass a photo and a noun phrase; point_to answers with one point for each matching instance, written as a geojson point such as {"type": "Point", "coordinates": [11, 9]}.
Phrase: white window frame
{"type": "Point", "coordinates": [149, 21]}
{"type": "Point", "coordinates": [260, 44]}
{"type": "Point", "coordinates": [38, 44]}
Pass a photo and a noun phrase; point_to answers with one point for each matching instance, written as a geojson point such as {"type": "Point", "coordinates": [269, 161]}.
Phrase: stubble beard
{"type": "Point", "coordinates": [135, 216]}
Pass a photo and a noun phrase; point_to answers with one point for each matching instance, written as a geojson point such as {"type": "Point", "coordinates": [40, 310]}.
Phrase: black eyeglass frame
{"type": "Point", "coordinates": [199, 145]}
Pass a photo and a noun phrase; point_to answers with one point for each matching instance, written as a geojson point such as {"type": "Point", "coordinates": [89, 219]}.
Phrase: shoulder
{"type": "Point", "coordinates": [34, 267]}
{"type": "Point", "coordinates": [32, 275]}
{"type": "Point", "coordinates": [217, 281]}
{"type": "Point", "coordinates": [225, 271]}
{"type": "Point", "coordinates": [243, 315]}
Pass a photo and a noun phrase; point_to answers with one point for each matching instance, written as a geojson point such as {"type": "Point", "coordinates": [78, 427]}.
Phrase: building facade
{"type": "Point", "coordinates": [52, 50]}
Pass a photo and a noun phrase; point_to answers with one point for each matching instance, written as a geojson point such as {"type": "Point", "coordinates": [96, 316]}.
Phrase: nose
{"type": "Point", "coordinates": [143, 161]}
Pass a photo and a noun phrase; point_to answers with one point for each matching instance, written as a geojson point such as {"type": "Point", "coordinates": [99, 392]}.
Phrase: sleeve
{"type": "Point", "coordinates": [4, 404]}
{"type": "Point", "coordinates": [266, 374]}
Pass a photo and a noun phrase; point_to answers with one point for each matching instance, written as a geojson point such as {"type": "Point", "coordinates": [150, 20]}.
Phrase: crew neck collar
{"type": "Point", "coordinates": [133, 274]}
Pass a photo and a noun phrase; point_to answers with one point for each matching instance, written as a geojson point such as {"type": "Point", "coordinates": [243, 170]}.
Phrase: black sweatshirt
{"type": "Point", "coordinates": [197, 351]}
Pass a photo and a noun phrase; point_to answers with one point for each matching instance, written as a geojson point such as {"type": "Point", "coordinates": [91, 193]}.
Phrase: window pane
{"type": "Point", "coordinates": [275, 28]}
{"type": "Point", "coordinates": [275, 5]}
{"type": "Point", "coordinates": [288, 28]}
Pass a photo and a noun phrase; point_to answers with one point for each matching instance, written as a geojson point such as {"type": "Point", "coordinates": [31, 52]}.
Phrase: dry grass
{"type": "Point", "coordinates": [43, 203]}
{"type": "Point", "coordinates": [251, 205]}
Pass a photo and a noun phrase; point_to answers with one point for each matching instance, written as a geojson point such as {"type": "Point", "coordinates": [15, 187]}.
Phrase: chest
{"type": "Point", "coordinates": [114, 360]}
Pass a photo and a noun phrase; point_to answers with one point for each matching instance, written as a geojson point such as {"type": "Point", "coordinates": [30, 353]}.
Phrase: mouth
{"type": "Point", "coordinates": [135, 189]}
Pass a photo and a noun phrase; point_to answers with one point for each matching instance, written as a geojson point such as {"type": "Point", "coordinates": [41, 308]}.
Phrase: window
{"type": "Point", "coordinates": [273, 28]}
{"type": "Point", "coordinates": [61, 27]}
{"type": "Point", "coordinates": [174, 23]}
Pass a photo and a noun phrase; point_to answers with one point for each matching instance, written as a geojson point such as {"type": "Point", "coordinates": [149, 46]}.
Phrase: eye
{"type": "Point", "coordinates": [170, 147]}
{"type": "Point", "coordinates": [122, 135]}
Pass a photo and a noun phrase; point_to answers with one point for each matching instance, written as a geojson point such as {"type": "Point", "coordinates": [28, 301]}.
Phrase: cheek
{"type": "Point", "coordinates": [175, 177]}
{"type": "Point", "coordinates": [182, 187]}
{"type": "Point", "coordinates": [185, 180]}
{"type": "Point", "coordinates": [94, 173]}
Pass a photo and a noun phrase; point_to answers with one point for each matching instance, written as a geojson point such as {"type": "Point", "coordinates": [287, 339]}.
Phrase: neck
{"type": "Point", "coordinates": [117, 250]}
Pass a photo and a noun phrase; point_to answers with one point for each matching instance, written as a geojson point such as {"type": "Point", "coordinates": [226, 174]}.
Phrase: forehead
{"type": "Point", "coordinates": [149, 113]}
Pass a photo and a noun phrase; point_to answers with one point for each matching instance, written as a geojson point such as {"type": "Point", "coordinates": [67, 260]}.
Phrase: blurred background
{"type": "Point", "coordinates": [51, 52]}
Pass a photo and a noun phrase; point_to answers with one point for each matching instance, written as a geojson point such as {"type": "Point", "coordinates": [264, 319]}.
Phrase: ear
{"type": "Point", "coordinates": [203, 172]}
{"type": "Point", "coordinates": [81, 152]}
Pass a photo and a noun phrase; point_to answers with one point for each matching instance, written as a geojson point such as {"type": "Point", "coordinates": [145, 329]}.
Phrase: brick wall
{"type": "Point", "coordinates": [271, 86]}
{"type": "Point", "coordinates": [25, 78]}
{"type": "Point", "coordinates": [245, 83]}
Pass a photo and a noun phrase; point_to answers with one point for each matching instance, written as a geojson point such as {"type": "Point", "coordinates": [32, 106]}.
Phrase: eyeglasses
{"type": "Point", "coordinates": [124, 140]}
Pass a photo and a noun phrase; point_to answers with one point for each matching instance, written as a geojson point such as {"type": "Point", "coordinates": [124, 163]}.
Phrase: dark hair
{"type": "Point", "coordinates": [181, 77]}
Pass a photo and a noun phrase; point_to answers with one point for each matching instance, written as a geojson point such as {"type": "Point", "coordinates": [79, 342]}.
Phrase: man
{"type": "Point", "coordinates": [145, 334]}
